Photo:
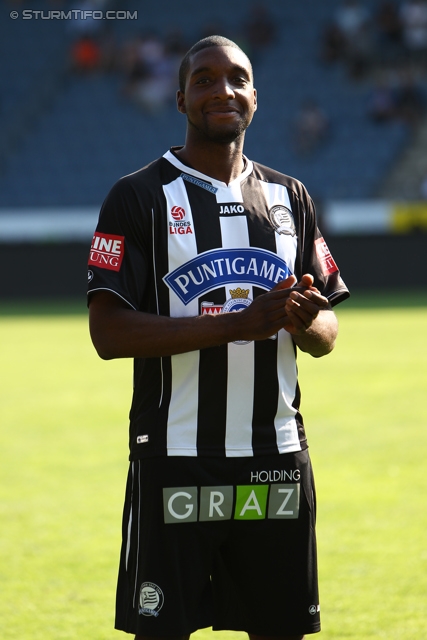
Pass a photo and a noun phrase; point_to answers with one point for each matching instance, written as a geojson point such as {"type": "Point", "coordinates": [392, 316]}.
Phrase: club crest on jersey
{"type": "Point", "coordinates": [282, 220]}
{"type": "Point", "coordinates": [221, 267]}
{"type": "Point", "coordinates": [178, 224]}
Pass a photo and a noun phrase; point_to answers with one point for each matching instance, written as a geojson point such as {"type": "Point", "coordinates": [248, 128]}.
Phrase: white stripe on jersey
{"type": "Point", "coordinates": [183, 408]}
{"type": "Point", "coordinates": [182, 420]}
{"type": "Point", "coordinates": [286, 427]}
{"type": "Point", "coordinates": [241, 373]}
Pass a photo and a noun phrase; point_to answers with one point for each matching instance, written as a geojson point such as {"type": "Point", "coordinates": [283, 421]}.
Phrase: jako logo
{"type": "Point", "coordinates": [177, 213]}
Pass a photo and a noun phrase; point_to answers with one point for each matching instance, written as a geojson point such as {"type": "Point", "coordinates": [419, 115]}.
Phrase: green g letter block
{"type": "Point", "coordinates": [251, 502]}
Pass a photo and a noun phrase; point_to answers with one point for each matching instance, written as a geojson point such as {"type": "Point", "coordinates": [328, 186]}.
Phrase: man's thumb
{"type": "Point", "coordinates": [287, 283]}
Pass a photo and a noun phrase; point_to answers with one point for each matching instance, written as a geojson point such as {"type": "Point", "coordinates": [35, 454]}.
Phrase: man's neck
{"type": "Point", "coordinates": [224, 162]}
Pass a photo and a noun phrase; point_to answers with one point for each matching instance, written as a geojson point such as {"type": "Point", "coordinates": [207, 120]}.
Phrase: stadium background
{"type": "Point", "coordinates": [86, 99]}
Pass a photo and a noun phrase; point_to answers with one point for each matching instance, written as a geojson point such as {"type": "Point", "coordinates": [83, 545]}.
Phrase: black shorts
{"type": "Point", "coordinates": [228, 543]}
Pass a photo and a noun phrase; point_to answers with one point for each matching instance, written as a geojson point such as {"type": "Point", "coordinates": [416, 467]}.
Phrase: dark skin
{"type": "Point", "coordinates": [219, 101]}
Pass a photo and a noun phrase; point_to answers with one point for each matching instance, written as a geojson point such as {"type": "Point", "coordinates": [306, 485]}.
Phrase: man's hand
{"type": "Point", "coordinates": [309, 317]}
{"type": "Point", "coordinates": [121, 332]}
{"type": "Point", "coordinates": [303, 305]}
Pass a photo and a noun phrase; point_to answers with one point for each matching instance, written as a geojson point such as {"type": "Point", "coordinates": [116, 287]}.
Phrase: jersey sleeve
{"type": "Point", "coordinates": [318, 261]}
{"type": "Point", "coordinates": [118, 257]}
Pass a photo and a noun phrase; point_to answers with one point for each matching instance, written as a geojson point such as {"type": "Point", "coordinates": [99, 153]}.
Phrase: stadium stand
{"type": "Point", "coordinates": [67, 136]}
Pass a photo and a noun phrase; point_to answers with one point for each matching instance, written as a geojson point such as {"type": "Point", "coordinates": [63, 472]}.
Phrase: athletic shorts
{"type": "Point", "coordinates": [222, 542]}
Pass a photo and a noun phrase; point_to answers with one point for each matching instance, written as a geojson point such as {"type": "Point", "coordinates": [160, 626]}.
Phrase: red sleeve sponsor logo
{"type": "Point", "coordinates": [107, 251]}
{"type": "Point", "coordinates": [324, 256]}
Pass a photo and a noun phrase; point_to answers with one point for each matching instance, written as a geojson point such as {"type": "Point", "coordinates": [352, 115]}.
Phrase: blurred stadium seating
{"type": "Point", "coordinates": [68, 137]}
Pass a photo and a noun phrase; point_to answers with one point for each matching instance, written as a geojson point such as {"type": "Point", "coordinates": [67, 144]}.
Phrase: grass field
{"type": "Point", "coordinates": [63, 461]}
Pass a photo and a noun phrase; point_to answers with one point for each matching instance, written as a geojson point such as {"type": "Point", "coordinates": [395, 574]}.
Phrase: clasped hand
{"type": "Point", "coordinates": [284, 307]}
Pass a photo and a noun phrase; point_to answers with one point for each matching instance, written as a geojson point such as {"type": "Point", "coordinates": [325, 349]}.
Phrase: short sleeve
{"type": "Point", "coordinates": [318, 260]}
{"type": "Point", "coordinates": [118, 257]}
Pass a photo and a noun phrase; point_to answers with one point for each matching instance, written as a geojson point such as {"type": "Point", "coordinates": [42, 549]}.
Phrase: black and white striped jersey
{"type": "Point", "coordinates": [175, 242]}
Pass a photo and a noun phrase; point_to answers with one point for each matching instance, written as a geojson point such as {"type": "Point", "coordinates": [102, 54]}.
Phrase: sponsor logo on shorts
{"type": "Point", "coordinates": [151, 599]}
{"type": "Point", "coordinates": [107, 251]}
{"type": "Point", "coordinates": [313, 609]}
{"type": "Point", "coordinates": [282, 220]}
{"type": "Point", "coordinates": [89, 275]}
{"type": "Point", "coordinates": [325, 258]}
{"type": "Point", "coordinates": [243, 502]}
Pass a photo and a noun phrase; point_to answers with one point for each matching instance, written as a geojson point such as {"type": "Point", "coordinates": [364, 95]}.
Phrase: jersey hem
{"type": "Point", "coordinates": [240, 453]}
{"type": "Point", "coordinates": [111, 291]}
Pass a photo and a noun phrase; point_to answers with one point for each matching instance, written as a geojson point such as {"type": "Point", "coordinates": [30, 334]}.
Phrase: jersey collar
{"type": "Point", "coordinates": [170, 157]}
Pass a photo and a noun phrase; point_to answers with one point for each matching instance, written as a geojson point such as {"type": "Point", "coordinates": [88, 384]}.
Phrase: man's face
{"type": "Point", "coordinates": [219, 98]}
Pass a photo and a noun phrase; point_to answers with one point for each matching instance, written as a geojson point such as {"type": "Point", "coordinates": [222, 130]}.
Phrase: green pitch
{"type": "Point", "coordinates": [63, 462]}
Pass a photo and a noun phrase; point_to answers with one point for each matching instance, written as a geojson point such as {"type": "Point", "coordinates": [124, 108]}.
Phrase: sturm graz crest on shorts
{"type": "Point", "coordinates": [150, 599]}
{"type": "Point", "coordinates": [282, 220]}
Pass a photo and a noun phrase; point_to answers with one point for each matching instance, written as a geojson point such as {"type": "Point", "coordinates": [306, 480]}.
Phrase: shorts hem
{"type": "Point", "coordinates": [294, 631]}
{"type": "Point", "coordinates": [186, 632]}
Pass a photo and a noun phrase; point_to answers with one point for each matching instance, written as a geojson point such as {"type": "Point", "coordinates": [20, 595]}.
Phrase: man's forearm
{"type": "Point", "coordinates": [133, 334]}
{"type": "Point", "coordinates": [319, 339]}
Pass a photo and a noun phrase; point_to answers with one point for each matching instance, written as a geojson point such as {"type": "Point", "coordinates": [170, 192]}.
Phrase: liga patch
{"type": "Point", "coordinates": [326, 260]}
{"type": "Point", "coordinates": [107, 251]}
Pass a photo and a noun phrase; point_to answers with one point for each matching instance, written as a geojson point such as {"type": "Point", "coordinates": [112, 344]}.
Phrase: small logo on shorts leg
{"type": "Point", "coordinates": [313, 609]}
{"type": "Point", "coordinates": [150, 599]}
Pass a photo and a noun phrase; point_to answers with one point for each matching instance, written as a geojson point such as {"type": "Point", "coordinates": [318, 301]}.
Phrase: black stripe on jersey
{"type": "Point", "coordinates": [266, 384]}
{"type": "Point", "coordinates": [298, 417]}
{"type": "Point", "coordinates": [300, 226]}
{"type": "Point", "coordinates": [156, 373]}
{"type": "Point", "coordinates": [205, 211]}
{"type": "Point", "coordinates": [211, 418]}
{"type": "Point", "coordinates": [266, 391]}
{"type": "Point", "coordinates": [261, 232]}
{"type": "Point", "coordinates": [149, 412]}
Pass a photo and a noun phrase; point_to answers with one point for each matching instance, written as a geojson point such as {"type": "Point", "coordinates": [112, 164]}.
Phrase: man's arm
{"type": "Point", "coordinates": [312, 324]}
{"type": "Point", "coordinates": [118, 331]}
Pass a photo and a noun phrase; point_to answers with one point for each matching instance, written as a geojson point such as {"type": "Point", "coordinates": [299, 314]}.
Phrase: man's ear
{"type": "Point", "coordinates": [180, 102]}
{"type": "Point", "coordinates": [255, 99]}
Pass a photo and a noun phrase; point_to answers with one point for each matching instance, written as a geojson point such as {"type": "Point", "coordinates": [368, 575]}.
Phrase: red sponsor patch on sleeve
{"type": "Point", "coordinates": [324, 256]}
{"type": "Point", "coordinates": [107, 251]}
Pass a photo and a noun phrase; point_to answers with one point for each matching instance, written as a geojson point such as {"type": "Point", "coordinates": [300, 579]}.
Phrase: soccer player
{"type": "Point", "coordinates": [191, 273]}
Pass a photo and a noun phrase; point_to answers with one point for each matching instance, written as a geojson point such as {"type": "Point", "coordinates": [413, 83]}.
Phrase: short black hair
{"type": "Point", "coordinates": [205, 43]}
